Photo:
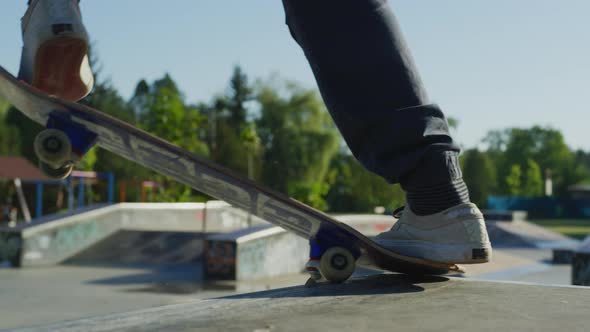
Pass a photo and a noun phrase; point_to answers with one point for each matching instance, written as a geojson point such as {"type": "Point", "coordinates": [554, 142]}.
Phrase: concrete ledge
{"type": "Point", "coordinates": [525, 234]}
{"type": "Point", "coordinates": [562, 256]}
{"type": "Point", "coordinates": [263, 251]}
{"type": "Point", "coordinates": [267, 251]}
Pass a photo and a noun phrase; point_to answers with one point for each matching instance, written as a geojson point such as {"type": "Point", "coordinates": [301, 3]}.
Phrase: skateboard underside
{"type": "Point", "coordinates": [86, 127]}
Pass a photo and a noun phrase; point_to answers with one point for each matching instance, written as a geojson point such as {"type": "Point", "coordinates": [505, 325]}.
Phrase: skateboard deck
{"type": "Point", "coordinates": [203, 175]}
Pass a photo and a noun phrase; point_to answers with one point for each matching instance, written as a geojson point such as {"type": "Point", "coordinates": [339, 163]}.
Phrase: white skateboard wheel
{"type": "Point", "coordinates": [337, 264]}
{"type": "Point", "coordinates": [53, 147]}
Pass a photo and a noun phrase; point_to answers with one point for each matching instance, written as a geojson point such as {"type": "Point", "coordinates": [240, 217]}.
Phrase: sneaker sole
{"type": "Point", "coordinates": [441, 253]}
{"type": "Point", "coordinates": [57, 68]}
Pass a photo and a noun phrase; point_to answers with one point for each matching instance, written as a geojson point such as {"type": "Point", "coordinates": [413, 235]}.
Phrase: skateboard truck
{"type": "Point", "coordinates": [330, 261]}
{"type": "Point", "coordinates": [62, 144]}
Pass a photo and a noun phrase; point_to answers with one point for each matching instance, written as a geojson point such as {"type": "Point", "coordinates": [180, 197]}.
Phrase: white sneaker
{"type": "Point", "coordinates": [55, 49]}
{"type": "Point", "coordinates": [456, 236]}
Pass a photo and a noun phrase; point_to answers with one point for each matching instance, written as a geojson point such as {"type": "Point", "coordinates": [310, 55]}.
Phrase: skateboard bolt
{"type": "Point", "coordinates": [339, 262]}
{"type": "Point", "coordinates": [52, 144]}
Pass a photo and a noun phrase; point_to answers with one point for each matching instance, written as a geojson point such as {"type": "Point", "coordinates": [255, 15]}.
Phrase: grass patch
{"type": "Point", "coordinates": [576, 228]}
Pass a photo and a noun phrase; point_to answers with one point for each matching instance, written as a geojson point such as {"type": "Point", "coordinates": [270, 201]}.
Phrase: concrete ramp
{"type": "Point", "coordinates": [520, 233]}
{"type": "Point", "coordinates": [53, 240]}
{"type": "Point", "coordinates": [387, 302]}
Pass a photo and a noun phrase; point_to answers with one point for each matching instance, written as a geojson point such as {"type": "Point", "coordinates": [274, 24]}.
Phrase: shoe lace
{"type": "Point", "coordinates": [397, 213]}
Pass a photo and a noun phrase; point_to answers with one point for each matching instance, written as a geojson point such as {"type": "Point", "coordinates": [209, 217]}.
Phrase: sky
{"type": "Point", "coordinates": [489, 64]}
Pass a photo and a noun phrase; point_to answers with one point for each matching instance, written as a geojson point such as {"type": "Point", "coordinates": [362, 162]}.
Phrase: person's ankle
{"type": "Point", "coordinates": [436, 184]}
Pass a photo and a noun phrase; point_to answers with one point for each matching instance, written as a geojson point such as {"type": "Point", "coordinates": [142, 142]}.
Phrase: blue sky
{"type": "Point", "coordinates": [490, 64]}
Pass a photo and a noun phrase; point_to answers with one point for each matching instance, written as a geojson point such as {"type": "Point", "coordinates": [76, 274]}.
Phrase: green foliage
{"type": "Point", "coordinates": [533, 180]}
{"type": "Point", "coordinates": [354, 189]}
{"type": "Point", "coordinates": [240, 94]}
{"type": "Point", "coordinates": [9, 134]}
{"type": "Point", "coordinates": [479, 174]}
{"type": "Point", "coordinates": [162, 111]}
{"type": "Point", "coordinates": [299, 141]}
{"type": "Point", "coordinates": [233, 139]}
{"type": "Point", "coordinates": [25, 129]}
{"type": "Point", "coordinates": [106, 98]}
{"type": "Point", "coordinates": [513, 182]}
{"type": "Point", "coordinates": [453, 123]}
{"type": "Point", "coordinates": [545, 147]}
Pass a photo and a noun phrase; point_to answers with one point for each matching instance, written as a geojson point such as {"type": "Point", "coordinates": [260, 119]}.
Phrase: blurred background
{"type": "Point", "coordinates": [227, 82]}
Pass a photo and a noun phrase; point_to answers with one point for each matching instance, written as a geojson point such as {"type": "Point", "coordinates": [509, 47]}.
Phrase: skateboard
{"type": "Point", "coordinates": [72, 129]}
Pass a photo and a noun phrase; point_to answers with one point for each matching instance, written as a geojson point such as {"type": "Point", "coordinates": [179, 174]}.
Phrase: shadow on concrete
{"type": "Point", "coordinates": [182, 288]}
{"type": "Point", "coordinates": [161, 273]}
{"type": "Point", "coordinates": [165, 279]}
{"type": "Point", "coordinates": [166, 262]}
{"type": "Point", "coordinates": [176, 279]}
{"type": "Point", "coordinates": [375, 284]}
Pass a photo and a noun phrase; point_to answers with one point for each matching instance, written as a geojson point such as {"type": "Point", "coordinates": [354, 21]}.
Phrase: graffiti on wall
{"type": "Point", "coordinates": [581, 270]}
{"type": "Point", "coordinates": [58, 244]}
{"type": "Point", "coordinates": [220, 260]}
{"type": "Point", "coordinates": [10, 248]}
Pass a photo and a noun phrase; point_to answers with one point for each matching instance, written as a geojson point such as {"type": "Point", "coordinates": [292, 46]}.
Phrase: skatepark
{"type": "Point", "coordinates": [189, 165]}
{"type": "Point", "coordinates": [119, 268]}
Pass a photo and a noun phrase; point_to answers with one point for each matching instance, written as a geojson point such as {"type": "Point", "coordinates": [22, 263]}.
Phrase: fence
{"type": "Point", "coordinates": [543, 207]}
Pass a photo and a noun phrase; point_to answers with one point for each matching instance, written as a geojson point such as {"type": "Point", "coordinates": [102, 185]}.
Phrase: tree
{"type": "Point", "coordinates": [164, 113]}
{"type": "Point", "coordinates": [533, 180]}
{"type": "Point", "coordinates": [299, 141]}
{"type": "Point", "coordinates": [9, 134]}
{"type": "Point", "coordinates": [513, 180]}
{"type": "Point", "coordinates": [106, 98]}
{"type": "Point", "coordinates": [240, 93]}
{"type": "Point", "coordinates": [453, 123]}
{"type": "Point", "coordinates": [25, 129]}
{"type": "Point", "coordinates": [479, 174]}
{"type": "Point", "coordinates": [354, 189]}
{"type": "Point", "coordinates": [232, 137]}
{"type": "Point", "coordinates": [545, 146]}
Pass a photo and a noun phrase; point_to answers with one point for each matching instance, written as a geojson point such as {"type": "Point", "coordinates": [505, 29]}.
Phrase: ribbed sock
{"type": "Point", "coordinates": [436, 185]}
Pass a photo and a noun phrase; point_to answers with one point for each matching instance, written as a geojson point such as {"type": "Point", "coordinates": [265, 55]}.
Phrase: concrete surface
{"type": "Point", "coordinates": [46, 295]}
{"type": "Point", "coordinates": [39, 296]}
{"type": "Point", "coordinates": [522, 265]}
{"type": "Point", "coordinates": [138, 276]}
{"type": "Point", "coordinates": [376, 303]}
